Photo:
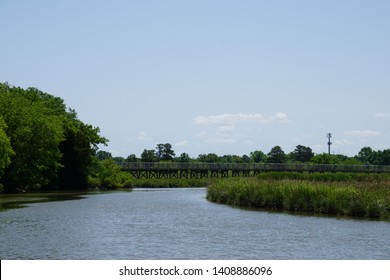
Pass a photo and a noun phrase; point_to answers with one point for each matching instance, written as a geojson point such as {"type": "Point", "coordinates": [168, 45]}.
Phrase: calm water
{"type": "Point", "coordinates": [178, 224]}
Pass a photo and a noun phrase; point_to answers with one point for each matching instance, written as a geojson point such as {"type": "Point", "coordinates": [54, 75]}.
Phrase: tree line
{"type": "Point", "coordinates": [42, 143]}
{"type": "Point", "coordinates": [301, 154]}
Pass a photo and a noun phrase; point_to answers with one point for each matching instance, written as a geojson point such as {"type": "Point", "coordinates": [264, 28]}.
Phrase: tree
{"type": "Point", "coordinates": [102, 155]}
{"type": "Point", "coordinates": [365, 154]}
{"type": "Point", "coordinates": [164, 151]}
{"type": "Point", "coordinates": [258, 156]}
{"type": "Point", "coordinates": [210, 158]}
{"type": "Point", "coordinates": [184, 157]}
{"type": "Point", "coordinates": [302, 154]}
{"type": "Point", "coordinates": [352, 161]}
{"type": "Point", "coordinates": [132, 158]}
{"type": "Point", "coordinates": [369, 156]}
{"type": "Point", "coordinates": [149, 156]}
{"type": "Point", "coordinates": [52, 147]}
{"type": "Point", "coordinates": [326, 158]}
{"type": "Point", "coordinates": [234, 159]}
{"type": "Point", "coordinates": [110, 175]}
{"type": "Point", "coordinates": [6, 150]}
{"type": "Point", "coordinates": [118, 159]}
{"type": "Point", "coordinates": [35, 131]}
{"type": "Point", "coordinates": [276, 155]}
{"type": "Point", "coordinates": [246, 159]}
{"type": "Point", "coordinates": [78, 150]}
{"type": "Point", "coordinates": [386, 157]}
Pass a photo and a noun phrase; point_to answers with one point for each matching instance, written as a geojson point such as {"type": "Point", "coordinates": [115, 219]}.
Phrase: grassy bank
{"type": "Point", "coordinates": [355, 195]}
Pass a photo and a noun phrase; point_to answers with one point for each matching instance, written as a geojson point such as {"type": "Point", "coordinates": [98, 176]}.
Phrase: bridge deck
{"type": "Point", "coordinates": [221, 170]}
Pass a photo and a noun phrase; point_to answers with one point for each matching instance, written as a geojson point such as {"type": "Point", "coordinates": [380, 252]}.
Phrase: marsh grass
{"type": "Point", "coordinates": [355, 196]}
{"type": "Point", "coordinates": [326, 176]}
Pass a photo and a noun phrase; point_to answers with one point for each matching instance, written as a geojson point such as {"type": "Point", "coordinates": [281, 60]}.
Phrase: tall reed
{"type": "Point", "coordinates": [366, 197]}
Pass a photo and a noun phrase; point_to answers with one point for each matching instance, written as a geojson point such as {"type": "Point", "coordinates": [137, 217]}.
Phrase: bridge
{"type": "Point", "coordinates": [198, 170]}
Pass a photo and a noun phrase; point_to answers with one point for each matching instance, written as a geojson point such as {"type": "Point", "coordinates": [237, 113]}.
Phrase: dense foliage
{"type": "Point", "coordinates": [43, 144]}
{"type": "Point", "coordinates": [5, 148]}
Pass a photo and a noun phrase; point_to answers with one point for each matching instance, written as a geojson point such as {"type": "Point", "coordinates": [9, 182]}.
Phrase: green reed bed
{"type": "Point", "coordinates": [368, 198]}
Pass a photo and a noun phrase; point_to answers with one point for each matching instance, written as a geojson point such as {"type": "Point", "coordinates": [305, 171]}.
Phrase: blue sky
{"type": "Point", "coordinates": [225, 77]}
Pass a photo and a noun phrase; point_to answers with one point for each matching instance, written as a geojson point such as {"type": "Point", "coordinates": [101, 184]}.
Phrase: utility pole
{"type": "Point", "coordinates": [329, 135]}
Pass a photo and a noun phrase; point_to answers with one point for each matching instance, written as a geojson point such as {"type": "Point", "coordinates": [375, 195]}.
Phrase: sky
{"type": "Point", "coordinates": [224, 77]}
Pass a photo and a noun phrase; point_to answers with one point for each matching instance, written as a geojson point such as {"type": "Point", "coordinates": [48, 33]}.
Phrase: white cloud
{"type": "Point", "coordinates": [223, 134]}
{"type": "Point", "coordinates": [226, 119]}
{"type": "Point", "coordinates": [220, 139]}
{"type": "Point", "coordinates": [226, 128]}
{"type": "Point", "coordinates": [362, 133]}
{"type": "Point", "coordinates": [281, 117]}
{"type": "Point", "coordinates": [142, 136]}
{"type": "Point", "coordinates": [201, 134]}
{"type": "Point", "coordinates": [182, 143]}
{"type": "Point", "coordinates": [229, 119]}
{"type": "Point", "coordinates": [382, 115]}
{"type": "Point", "coordinates": [234, 128]}
{"type": "Point", "coordinates": [343, 142]}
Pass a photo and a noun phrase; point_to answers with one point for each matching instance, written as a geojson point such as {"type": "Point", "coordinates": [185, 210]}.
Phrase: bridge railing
{"type": "Point", "coordinates": [259, 167]}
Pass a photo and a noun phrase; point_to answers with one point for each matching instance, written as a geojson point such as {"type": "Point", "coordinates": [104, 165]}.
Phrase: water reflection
{"type": "Point", "coordinates": [177, 224]}
{"type": "Point", "coordinates": [14, 201]}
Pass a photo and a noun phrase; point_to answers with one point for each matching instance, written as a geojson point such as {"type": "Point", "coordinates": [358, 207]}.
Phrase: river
{"type": "Point", "coordinates": [175, 224]}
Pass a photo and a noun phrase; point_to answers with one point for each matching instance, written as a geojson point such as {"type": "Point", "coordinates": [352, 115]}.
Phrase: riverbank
{"type": "Point", "coordinates": [344, 194]}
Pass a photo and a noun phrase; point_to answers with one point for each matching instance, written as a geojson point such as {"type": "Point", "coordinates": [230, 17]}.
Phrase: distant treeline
{"type": "Point", "coordinates": [42, 143]}
{"type": "Point", "coordinates": [301, 154]}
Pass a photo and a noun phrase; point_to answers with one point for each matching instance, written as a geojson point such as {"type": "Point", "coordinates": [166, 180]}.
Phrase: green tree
{"type": "Point", "coordinates": [276, 155]}
{"type": "Point", "coordinates": [164, 152]}
{"type": "Point", "coordinates": [233, 159]}
{"type": "Point", "coordinates": [132, 158]}
{"type": "Point", "coordinates": [258, 156]}
{"type": "Point", "coordinates": [365, 155]}
{"type": "Point", "coordinates": [35, 131]}
{"type": "Point", "coordinates": [210, 158]}
{"type": "Point", "coordinates": [110, 175]}
{"type": "Point", "coordinates": [326, 158]}
{"type": "Point", "coordinates": [302, 154]}
{"type": "Point", "coordinates": [246, 159]}
{"type": "Point", "coordinates": [6, 150]}
{"type": "Point", "coordinates": [184, 157]}
{"type": "Point", "coordinates": [352, 161]}
{"type": "Point", "coordinates": [386, 157]}
{"type": "Point", "coordinates": [149, 156]}
{"type": "Point", "coordinates": [51, 145]}
{"type": "Point", "coordinates": [78, 150]}
{"type": "Point", "coordinates": [119, 159]}
{"type": "Point", "coordinates": [226, 159]}
{"type": "Point", "coordinates": [102, 155]}
{"type": "Point", "coordinates": [369, 156]}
